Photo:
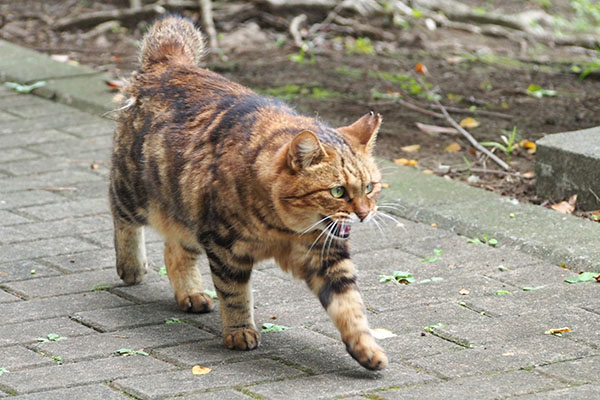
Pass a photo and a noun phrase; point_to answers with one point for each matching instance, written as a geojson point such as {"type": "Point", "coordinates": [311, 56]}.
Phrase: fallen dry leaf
{"type": "Point", "coordinates": [404, 161]}
{"type": "Point", "coordinates": [469, 123]}
{"type": "Point", "coordinates": [464, 291]}
{"type": "Point", "coordinates": [198, 370]}
{"type": "Point", "coordinates": [557, 331]}
{"type": "Point", "coordinates": [411, 149]}
{"type": "Point", "coordinates": [428, 172]}
{"type": "Point", "coordinates": [422, 69]}
{"type": "Point", "coordinates": [453, 147]}
{"type": "Point", "coordinates": [115, 84]}
{"type": "Point", "coordinates": [530, 146]}
{"type": "Point", "coordinates": [454, 59]}
{"type": "Point", "coordinates": [380, 333]}
{"type": "Point", "coordinates": [435, 129]}
{"type": "Point", "coordinates": [385, 185]}
{"type": "Point", "coordinates": [95, 166]}
{"type": "Point", "coordinates": [529, 175]}
{"type": "Point", "coordinates": [434, 225]}
{"type": "Point", "coordinates": [60, 57]}
{"type": "Point", "coordinates": [566, 207]}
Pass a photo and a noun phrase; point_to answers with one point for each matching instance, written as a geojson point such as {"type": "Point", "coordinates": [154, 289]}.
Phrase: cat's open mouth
{"type": "Point", "coordinates": [342, 231]}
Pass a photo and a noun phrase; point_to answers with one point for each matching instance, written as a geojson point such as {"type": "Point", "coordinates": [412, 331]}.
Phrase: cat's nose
{"type": "Point", "coordinates": [362, 213]}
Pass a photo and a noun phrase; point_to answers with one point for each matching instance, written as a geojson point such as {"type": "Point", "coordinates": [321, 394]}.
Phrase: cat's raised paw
{"type": "Point", "coordinates": [132, 275]}
{"type": "Point", "coordinates": [195, 302]}
{"type": "Point", "coordinates": [368, 353]}
{"type": "Point", "coordinates": [244, 339]}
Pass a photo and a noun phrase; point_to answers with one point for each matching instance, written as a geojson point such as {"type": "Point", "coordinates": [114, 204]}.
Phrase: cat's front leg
{"type": "Point", "coordinates": [334, 282]}
{"type": "Point", "coordinates": [236, 306]}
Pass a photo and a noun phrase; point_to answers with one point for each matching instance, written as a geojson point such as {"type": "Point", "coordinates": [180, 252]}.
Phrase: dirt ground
{"type": "Point", "coordinates": [346, 73]}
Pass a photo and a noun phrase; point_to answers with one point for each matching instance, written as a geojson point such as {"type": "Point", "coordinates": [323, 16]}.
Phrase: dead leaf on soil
{"type": "Point", "coordinates": [453, 147]}
{"type": "Point", "coordinates": [115, 84]}
{"type": "Point", "coordinates": [404, 161]}
{"type": "Point", "coordinates": [558, 331]}
{"type": "Point", "coordinates": [380, 333]}
{"type": "Point", "coordinates": [529, 175]}
{"type": "Point", "coordinates": [428, 172]}
{"type": "Point", "coordinates": [464, 291]}
{"type": "Point", "coordinates": [95, 166]}
{"type": "Point", "coordinates": [530, 146]}
{"type": "Point", "coordinates": [469, 123]}
{"type": "Point", "coordinates": [566, 207]}
{"type": "Point", "coordinates": [411, 149]}
{"type": "Point", "coordinates": [199, 370]}
{"type": "Point", "coordinates": [422, 69]}
{"type": "Point", "coordinates": [435, 129]}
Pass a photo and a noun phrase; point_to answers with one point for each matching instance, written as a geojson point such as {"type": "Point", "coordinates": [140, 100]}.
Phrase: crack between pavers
{"type": "Point", "coordinates": [59, 77]}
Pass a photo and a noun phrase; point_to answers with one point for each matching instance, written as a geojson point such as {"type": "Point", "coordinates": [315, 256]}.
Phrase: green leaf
{"type": "Point", "coordinates": [492, 242]}
{"type": "Point", "coordinates": [211, 293]}
{"type": "Point", "coordinates": [530, 288]}
{"type": "Point", "coordinates": [124, 351]}
{"type": "Point", "coordinates": [53, 337]}
{"type": "Point", "coordinates": [433, 328]}
{"type": "Point", "coordinates": [398, 277]}
{"type": "Point", "coordinates": [130, 352]}
{"type": "Point", "coordinates": [501, 292]}
{"type": "Point", "coordinates": [24, 88]}
{"type": "Point", "coordinates": [584, 277]}
{"type": "Point", "coordinates": [269, 328]}
{"type": "Point", "coordinates": [100, 286]}
{"type": "Point", "coordinates": [537, 91]}
{"type": "Point", "coordinates": [172, 321]}
{"type": "Point", "coordinates": [58, 359]}
{"type": "Point", "coordinates": [162, 270]}
{"type": "Point", "coordinates": [3, 371]}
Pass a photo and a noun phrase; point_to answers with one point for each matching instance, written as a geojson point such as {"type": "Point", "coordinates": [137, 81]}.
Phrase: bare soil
{"type": "Point", "coordinates": [339, 83]}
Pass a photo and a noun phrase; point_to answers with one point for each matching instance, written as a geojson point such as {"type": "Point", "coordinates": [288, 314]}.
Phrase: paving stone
{"type": "Point", "coordinates": [584, 392]}
{"type": "Point", "coordinates": [16, 154]}
{"type": "Point", "coordinates": [88, 392]}
{"type": "Point", "coordinates": [80, 161]}
{"type": "Point", "coordinates": [47, 229]}
{"type": "Point", "coordinates": [19, 270]}
{"type": "Point", "coordinates": [106, 344]}
{"type": "Point", "coordinates": [181, 382]}
{"type": "Point", "coordinates": [4, 116]}
{"type": "Point", "coordinates": [479, 387]}
{"type": "Point", "coordinates": [584, 370]}
{"type": "Point", "coordinates": [41, 110]}
{"type": "Point", "coordinates": [27, 198]}
{"type": "Point", "coordinates": [84, 261]}
{"type": "Point", "coordinates": [27, 332]}
{"type": "Point", "coordinates": [8, 218]}
{"type": "Point", "coordinates": [414, 345]}
{"type": "Point", "coordinates": [73, 146]}
{"type": "Point", "coordinates": [57, 180]}
{"type": "Point", "coordinates": [77, 208]}
{"type": "Point", "coordinates": [506, 356]}
{"type": "Point", "coordinates": [84, 372]}
{"type": "Point", "coordinates": [216, 395]}
{"type": "Point", "coordinates": [341, 383]}
{"type": "Point", "coordinates": [87, 189]}
{"type": "Point", "coordinates": [6, 297]}
{"type": "Point", "coordinates": [58, 306]}
{"type": "Point", "coordinates": [17, 357]}
{"type": "Point", "coordinates": [99, 127]}
{"type": "Point", "coordinates": [533, 276]}
{"type": "Point", "coordinates": [58, 121]}
{"type": "Point", "coordinates": [65, 284]}
{"type": "Point", "coordinates": [33, 138]}
{"type": "Point", "coordinates": [42, 248]}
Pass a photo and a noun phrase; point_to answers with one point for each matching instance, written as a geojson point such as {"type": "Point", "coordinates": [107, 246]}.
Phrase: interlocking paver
{"type": "Point", "coordinates": [181, 382]}
{"type": "Point", "coordinates": [216, 395]}
{"type": "Point", "coordinates": [48, 229]}
{"type": "Point", "coordinates": [31, 138]}
{"type": "Point", "coordinates": [58, 306]}
{"type": "Point", "coordinates": [62, 180]}
{"type": "Point", "coordinates": [58, 376]}
{"type": "Point", "coordinates": [585, 370]}
{"type": "Point", "coordinates": [27, 198]}
{"type": "Point", "coordinates": [25, 269]}
{"type": "Point", "coordinates": [583, 392]}
{"type": "Point", "coordinates": [28, 332]}
{"type": "Point", "coordinates": [16, 154]}
{"type": "Point", "coordinates": [16, 357]}
{"type": "Point", "coordinates": [88, 392]}
{"type": "Point", "coordinates": [43, 248]}
{"type": "Point", "coordinates": [84, 261]}
{"type": "Point", "coordinates": [9, 218]}
{"type": "Point", "coordinates": [6, 297]}
{"type": "Point", "coordinates": [78, 208]}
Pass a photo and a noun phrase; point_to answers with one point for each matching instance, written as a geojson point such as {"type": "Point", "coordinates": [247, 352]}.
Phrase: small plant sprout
{"type": "Point", "coordinates": [536, 91]}
{"type": "Point", "coordinates": [501, 292]}
{"type": "Point", "coordinates": [172, 321]}
{"type": "Point", "coordinates": [130, 352]}
{"type": "Point", "coordinates": [484, 240]}
{"type": "Point", "coordinates": [510, 144]}
{"type": "Point", "coordinates": [24, 88]}
{"type": "Point", "coordinates": [100, 287]}
{"type": "Point", "coordinates": [53, 337]}
{"type": "Point", "coordinates": [162, 270]}
{"type": "Point", "coordinates": [267, 327]}
{"type": "Point", "coordinates": [435, 257]}
{"type": "Point", "coordinates": [212, 294]}
{"type": "Point", "coordinates": [433, 328]}
{"type": "Point", "coordinates": [401, 277]}
{"type": "Point", "coordinates": [3, 371]}
{"type": "Point", "coordinates": [58, 359]}
{"type": "Point", "coordinates": [584, 277]}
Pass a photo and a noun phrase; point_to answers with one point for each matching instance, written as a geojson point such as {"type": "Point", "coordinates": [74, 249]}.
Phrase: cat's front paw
{"type": "Point", "coordinates": [244, 339]}
{"type": "Point", "coordinates": [195, 302]}
{"type": "Point", "coordinates": [368, 354]}
{"type": "Point", "coordinates": [133, 273]}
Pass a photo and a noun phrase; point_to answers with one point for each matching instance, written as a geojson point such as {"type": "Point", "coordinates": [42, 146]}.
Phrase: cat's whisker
{"type": "Point", "coordinates": [324, 231]}
{"type": "Point", "coordinates": [378, 226]}
{"type": "Point", "coordinates": [329, 238]}
{"type": "Point", "coordinates": [391, 207]}
{"type": "Point", "coordinates": [313, 225]}
{"type": "Point", "coordinates": [389, 216]}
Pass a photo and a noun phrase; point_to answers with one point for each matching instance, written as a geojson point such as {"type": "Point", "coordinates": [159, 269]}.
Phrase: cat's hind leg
{"type": "Point", "coordinates": [185, 278]}
{"type": "Point", "coordinates": [130, 246]}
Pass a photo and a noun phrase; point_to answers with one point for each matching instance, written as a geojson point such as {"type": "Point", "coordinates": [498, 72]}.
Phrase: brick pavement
{"type": "Point", "coordinates": [57, 277]}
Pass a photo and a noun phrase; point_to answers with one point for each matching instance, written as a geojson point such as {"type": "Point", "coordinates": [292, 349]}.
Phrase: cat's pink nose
{"type": "Point", "coordinates": [362, 213]}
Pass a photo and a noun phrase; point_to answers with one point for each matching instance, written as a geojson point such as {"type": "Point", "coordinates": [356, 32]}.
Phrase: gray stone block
{"type": "Point", "coordinates": [26, 198]}
{"type": "Point", "coordinates": [103, 345]}
{"type": "Point", "coordinates": [46, 122]}
{"type": "Point", "coordinates": [32, 138]}
{"type": "Point", "coordinates": [344, 383]}
{"type": "Point", "coordinates": [76, 162]}
{"type": "Point", "coordinates": [584, 392]}
{"type": "Point", "coordinates": [88, 392]}
{"type": "Point", "coordinates": [62, 181]}
{"type": "Point", "coordinates": [84, 261]}
{"type": "Point", "coordinates": [27, 111]}
{"type": "Point", "coordinates": [9, 218]}
{"type": "Point", "coordinates": [100, 127]}
{"type": "Point", "coordinates": [569, 163]}
{"type": "Point", "coordinates": [21, 270]}
{"type": "Point", "coordinates": [216, 395]}
{"type": "Point", "coordinates": [70, 209]}
{"type": "Point", "coordinates": [16, 154]}
{"type": "Point", "coordinates": [12, 313]}
{"type": "Point", "coordinates": [478, 387]}
{"type": "Point", "coordinates": [584, 370]}
{"type": "Point", "coordinates": [42, 248]}
{"type": "Point", "coordinates": [53, 229]}
{"type": "Point", "coordinates": [18, 357]}
{"type": "Point", "coordinates": [73, 146]}
{"type": "Point", "coordinates": [162, 385]}
{"type": "Point", "coordinates": [28, 332]}
{"type": "Point", "coordinates": [84, 372]}
{"type": "Point", "coordinates": [6, 297]}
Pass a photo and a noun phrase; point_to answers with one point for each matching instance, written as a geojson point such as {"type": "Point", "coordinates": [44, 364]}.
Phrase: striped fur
{"type": "Point", "coordinates": [219, 169]}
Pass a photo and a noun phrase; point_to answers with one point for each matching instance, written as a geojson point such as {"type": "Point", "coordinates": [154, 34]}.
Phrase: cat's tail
{"type": "Point", "coordinates": [172, 39]}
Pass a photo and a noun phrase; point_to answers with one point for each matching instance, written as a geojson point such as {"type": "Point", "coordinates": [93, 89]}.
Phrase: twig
{"type": "Point", "coordinates": [491, 171]}
{"type": "Point", "coordinates": [466, 134]}
{"type": "Point", "coordinates": [96, 17]}
{"type": "Point", "coordinates": [295, 29]}
{"type": "Point", "coordinates": [476, 112]}
{"type": "Point", "coordinates": [209, 23]}
{"type": "Point", "coordinates": [410, 106]}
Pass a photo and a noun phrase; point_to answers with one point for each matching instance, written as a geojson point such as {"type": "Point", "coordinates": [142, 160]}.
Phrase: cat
{"type": "Point", "coordinates": [219, 169]}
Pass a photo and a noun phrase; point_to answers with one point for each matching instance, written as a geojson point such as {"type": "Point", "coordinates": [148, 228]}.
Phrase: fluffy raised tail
{"type": "Point", "coordinates": [172, 39]}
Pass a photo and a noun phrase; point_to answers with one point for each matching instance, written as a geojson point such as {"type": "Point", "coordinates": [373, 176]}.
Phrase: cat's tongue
{"type": "Point", "coordinates": [344, 231]}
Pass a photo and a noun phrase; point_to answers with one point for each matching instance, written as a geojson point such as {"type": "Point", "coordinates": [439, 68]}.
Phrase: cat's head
{"type": "Point", "coordinates": [330, 180]}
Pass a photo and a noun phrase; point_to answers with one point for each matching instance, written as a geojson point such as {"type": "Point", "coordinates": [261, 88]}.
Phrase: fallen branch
{"type": "Point", "coordinates": [474, 112]}
{"type": "Point", "coordinates": [295, 29]}
{"type": "Point", "coordinates": [408, 105]}
{"type": "Point", "coordinates": [491, 171]}
{"type": "Point", "coordinates": [97, 17]}
{"type": "Point", "coordinates": [209, 23]}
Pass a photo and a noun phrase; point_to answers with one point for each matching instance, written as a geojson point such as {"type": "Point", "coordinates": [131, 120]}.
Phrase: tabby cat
{"type": "Point", "coordinates": [217, 168]}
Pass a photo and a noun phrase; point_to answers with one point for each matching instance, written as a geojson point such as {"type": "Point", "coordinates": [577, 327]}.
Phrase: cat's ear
{"type": "Point", "coordinates": [362, 133]}
{"type": "Point", "coordinates": [305, 150]}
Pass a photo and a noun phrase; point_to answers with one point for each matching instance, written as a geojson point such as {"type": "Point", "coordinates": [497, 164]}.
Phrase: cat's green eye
{"type": "Point", "coordinates": [369, 188]}
{"type": "Point", "coordinates": [337, 192]}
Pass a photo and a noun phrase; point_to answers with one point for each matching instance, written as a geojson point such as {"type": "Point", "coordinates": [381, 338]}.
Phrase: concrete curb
{"type": "Point", "coordinates": [453, 206]}
{"type": "Point", "coordinates": [472, 212]}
